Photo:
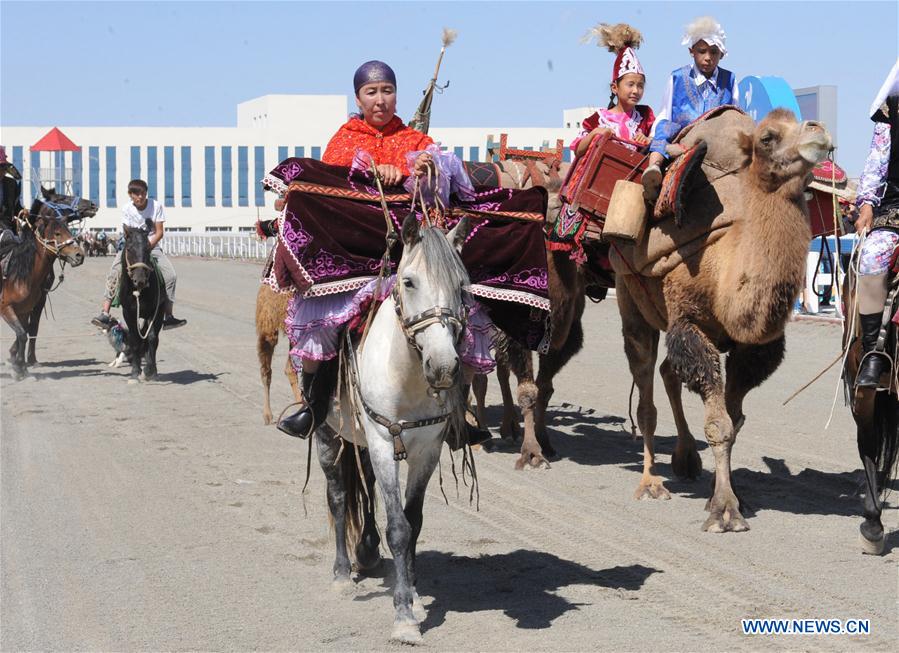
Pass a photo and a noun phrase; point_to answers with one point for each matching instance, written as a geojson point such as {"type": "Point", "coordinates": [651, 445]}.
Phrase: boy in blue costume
{"type": "Point", "coordinates": [692, 91]}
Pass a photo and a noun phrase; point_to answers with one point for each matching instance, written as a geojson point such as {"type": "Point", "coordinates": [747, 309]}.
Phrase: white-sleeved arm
{"type": "Point", "coordinates": [664, 112]}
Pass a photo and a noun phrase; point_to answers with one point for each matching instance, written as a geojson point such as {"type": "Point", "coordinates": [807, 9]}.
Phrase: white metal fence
{"type": "Point", "coordinates": [242, 246]}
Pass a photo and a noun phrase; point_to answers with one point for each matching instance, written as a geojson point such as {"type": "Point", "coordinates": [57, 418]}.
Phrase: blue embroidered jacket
{"type": "Point", "coordinates": [688, 102]}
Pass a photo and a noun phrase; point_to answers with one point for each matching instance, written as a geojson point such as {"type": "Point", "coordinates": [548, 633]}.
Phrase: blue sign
{"type": "Point", "coordinates": [761, 95]}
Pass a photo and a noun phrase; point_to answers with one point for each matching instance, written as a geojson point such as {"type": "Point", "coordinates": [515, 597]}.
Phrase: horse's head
{"type": "Point", "coordinates": [430, 282]}
{"type": "Point", "coordinates": [784, 150]}
{"type": "Point", "coordinates": [138, 264]}
{"type": "Point", "coordinates": [54, 236]}
{"type": "Point", "coordinates": [68, 207]}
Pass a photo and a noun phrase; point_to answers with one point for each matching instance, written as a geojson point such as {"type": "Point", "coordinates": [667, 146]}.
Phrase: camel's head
{"type": "Point", "coordinates": [783, 150]}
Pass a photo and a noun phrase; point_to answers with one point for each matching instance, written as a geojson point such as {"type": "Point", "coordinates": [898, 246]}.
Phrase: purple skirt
{"type": "Point", "coordinates": [315, 324]}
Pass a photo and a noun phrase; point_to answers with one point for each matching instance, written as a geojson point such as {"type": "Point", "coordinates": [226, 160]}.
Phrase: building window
{"type": "Point", "coordinates": [177, 229]}
{"type": "Point", "coordinates": [474, 153]}
{"type": "Point", "coordinates": [246, 230]}
{"type": "Point", "coordinates": [185, 176]}
{"type": "Point", "coordinates": [110, 177]}
{"type": "Point", "coordinates": [316, 153]}
{"type": "Point", "coordinates": [76, 172]}
{"type": "Point", "coordinates": [258, 174]}
{"type": "Point", "coordinates": [59, 170]}
{"type": "Point", "coordinates": [566, 155]}
{"type": "Point", "coordinates": [282, 153]}
{"type": "Point", "coordinates": [168, 167]}
{"type": "Point", "coordinates": [299, 151]}
{"type": "Point", "coordinates": [135, 162]}
{"type": "Point", "coordinates": [18, 160]}
{"type": "Point", "coordinates": [243, 173]}
{"type": "Point", "coordinates": [210, 176]}
{"type": "Point", "coordinates": [93, 155]}
{"type": "Point", "coordinates": [151, 172]}
{"type": "Point", "coordinates": [226, 175]}
{"type": "Point", "coordinates": [218, 230]}
{"type": "Point", "coordinates": [459, 152]}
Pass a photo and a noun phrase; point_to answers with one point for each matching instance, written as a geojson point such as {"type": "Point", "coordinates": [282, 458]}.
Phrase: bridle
{"type": "Point", "coordinates": [133, 266]}
{"type": "Point", "coordinates": [421, 321]}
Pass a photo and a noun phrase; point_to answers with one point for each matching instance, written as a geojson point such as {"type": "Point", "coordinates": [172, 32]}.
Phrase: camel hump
{"type": "Point", "coordinates": [720, 130]}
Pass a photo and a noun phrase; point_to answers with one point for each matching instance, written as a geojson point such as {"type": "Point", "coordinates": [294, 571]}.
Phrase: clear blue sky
{"type": "Point", "coordinates": [514, 63]}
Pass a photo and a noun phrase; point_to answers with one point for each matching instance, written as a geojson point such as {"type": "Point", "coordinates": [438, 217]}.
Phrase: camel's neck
{"type": "Point", "coordinates": [767, 265]}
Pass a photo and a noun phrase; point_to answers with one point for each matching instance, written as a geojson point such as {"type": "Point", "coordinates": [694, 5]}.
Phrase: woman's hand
{"type": "Point", "coordinates": [390, 175]}
{"type": "Point", "coordinates": [865, 218]}
{"type": "Point", "coordinates": [422, 163]}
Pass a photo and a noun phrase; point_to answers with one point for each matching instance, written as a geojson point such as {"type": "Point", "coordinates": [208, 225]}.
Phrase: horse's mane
{"type": "Point", "coordinates": [444, 267]}
{"type": "Point", "coordinates": [21, 261]}
{"type": "Point", "coordinates": [446, 270]}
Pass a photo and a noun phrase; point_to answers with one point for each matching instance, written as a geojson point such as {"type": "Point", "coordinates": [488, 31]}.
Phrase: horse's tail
{"type": "Point", "coordinates": [352, 461]}
{"type": "Point", "coordinates": [886, 431]}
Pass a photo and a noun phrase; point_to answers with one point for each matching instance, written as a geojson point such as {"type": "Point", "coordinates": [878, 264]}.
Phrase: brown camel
{"type": "Point", "coordinates": [725, 282]}
{"type": "Point", "coordinates": [566, 293]}
{"type": "Point", "coordinates": [271, 309]}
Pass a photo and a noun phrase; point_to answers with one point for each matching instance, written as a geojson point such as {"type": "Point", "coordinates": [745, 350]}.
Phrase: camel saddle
{"type": "Point", "coordinates": [713, 198]}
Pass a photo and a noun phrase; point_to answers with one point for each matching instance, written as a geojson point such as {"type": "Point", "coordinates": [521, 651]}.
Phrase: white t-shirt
{"type": "Point", "coordinates": [146, 219]}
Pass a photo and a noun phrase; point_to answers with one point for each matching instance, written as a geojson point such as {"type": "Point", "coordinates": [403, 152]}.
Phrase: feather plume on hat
{"type": "Point", "coordinates": [614, 37]}
{"type": "Point", "coordinates": [623, 40]}
{"type": "Point", "coordinates": [449, 35]}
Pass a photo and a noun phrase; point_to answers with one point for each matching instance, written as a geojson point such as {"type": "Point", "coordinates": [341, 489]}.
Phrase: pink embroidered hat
{"type": "Point", "coordinates": [622, 39]}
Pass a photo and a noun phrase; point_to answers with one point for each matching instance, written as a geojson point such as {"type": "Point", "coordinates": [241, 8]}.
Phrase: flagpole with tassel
{"type": "Point", "coordinates": [422, 119]}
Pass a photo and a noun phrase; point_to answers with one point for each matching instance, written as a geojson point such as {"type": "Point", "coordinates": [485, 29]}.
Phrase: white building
{"type": "Point", "coordinates": [208, 177]}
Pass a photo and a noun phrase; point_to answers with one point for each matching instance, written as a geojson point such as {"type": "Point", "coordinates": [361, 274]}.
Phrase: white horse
{"type": "Point", "coordinates": [405, 387]}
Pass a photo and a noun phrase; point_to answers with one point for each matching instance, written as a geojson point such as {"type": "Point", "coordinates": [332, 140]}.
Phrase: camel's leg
{"type": "Point", "coordinates": [17, 351]}
{"type": "Point", "coordinates": [328, 448]}
{"type": "Point", "coordinates": [685, 460]}
{"type": "Point", "coordinates": [510, 429]}
{"type": "Point", "coordinates": [521, 363]}
{"type": "Point", "coordinates": [697, 363]}
{"type": "Point", "coordinates": [747, 367]}
{"type": "Point", "coordinates": [550, 365]}
{"type": "Point", "coordinates": [291, 372]}
{"type": "Point", "coordinates": [265, 349]}
{"type": "Point", "coordinates": [479, 390]}
{"type": "Point", "coordinates": [641, 346]}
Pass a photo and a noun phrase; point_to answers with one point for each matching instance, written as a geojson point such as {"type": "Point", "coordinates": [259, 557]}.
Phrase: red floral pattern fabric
{"type": "Point", "coordinates": [388, 146]}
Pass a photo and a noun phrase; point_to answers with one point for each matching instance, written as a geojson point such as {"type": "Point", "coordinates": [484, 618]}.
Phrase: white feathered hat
{"type": "Point", "coordinates": [705, 28]}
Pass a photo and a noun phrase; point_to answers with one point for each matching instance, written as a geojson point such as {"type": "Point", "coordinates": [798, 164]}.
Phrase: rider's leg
{"type": "Point", "coordinates": [318, 385]}
{"type": "Point", "coordinates": [872, 294]}
{"type": "Point", "coordinates": [170, 279]}
{"type": "Point", "coordinates": [8, 240]}
{"type": "Point", "coordinates": [103, 320]}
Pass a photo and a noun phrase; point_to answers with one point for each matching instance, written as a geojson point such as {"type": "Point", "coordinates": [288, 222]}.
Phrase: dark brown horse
{"type": "Point", "coordinates": [31, 263]}
{"type": "Point", "coordinates": [69, 209]}
{"type": "Point", "coordinates": [876, 414]}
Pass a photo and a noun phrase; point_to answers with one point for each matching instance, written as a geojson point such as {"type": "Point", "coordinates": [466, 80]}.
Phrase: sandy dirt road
{"type": "Point", "coordinates": [165, 516]}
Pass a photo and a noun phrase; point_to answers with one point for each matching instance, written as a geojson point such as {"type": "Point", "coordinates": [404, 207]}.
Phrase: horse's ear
{"type": "Point", "coordinates": [459, 233]}
{"type": "Point", "coordinates": [47, 192]}
{"type": "Point", "coordinates": [410, 229]}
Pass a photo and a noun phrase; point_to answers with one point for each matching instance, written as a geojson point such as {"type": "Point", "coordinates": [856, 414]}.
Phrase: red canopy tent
{"type": "Point", "coordinates": [57, 174]}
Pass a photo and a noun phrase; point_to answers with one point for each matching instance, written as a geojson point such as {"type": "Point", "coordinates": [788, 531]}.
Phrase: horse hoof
{"type": "Point", "coordinates": [872, 547]}
{"type": "Point", "coordinates": [406, 633]}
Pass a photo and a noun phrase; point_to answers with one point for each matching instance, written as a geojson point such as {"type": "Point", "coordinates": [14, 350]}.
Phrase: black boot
{"type": "Point", "coordinates": [317, 390]}
{"type": "Point", "coordinates": [875, 364]}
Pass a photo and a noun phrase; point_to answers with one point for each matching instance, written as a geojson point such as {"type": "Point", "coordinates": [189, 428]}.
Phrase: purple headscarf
{"type": "Point", "coordinates": [372, 71]}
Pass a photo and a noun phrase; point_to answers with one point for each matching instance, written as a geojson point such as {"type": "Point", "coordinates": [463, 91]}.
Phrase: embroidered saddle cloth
{"type": "Point", "coordinates": [331, 237]}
